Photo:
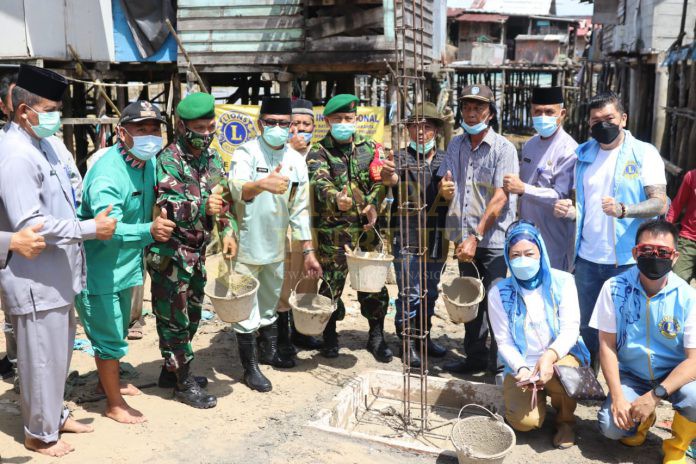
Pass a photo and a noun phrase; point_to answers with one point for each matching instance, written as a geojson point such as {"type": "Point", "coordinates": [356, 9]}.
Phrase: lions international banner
{"type": "Point", "coordinates": [237, 123]}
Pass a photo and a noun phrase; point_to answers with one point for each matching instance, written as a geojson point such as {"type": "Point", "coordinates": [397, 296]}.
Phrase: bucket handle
{"type": "Point", "coordinates": [357, 244]}
{"type": "Point", "coordinates": [333, 299]}
{"type": "Point", "coordinates": [444, 266]}
{"type": "Point", "coordinates": [494, 416]}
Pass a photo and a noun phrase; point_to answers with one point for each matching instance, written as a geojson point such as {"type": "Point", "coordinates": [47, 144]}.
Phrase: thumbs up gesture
{"type": "Point", "coordinates": [447, 186]}
{"type": "Point", "coordinates": [27, 242]}
{"type": "Point", "coordinates": [105, 225]}
{"type": "Point", "coordinates": [343, 201]}
{"type": "Point", "coordinates": [389, 176]}
{"type": "Point", "coordinates": [276, 183]}
{"type": "Point", "coordinates": [162, 228]}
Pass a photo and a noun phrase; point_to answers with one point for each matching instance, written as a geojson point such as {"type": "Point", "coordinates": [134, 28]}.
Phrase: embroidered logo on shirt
{"type": "Point", "coordinates": [669, 328]}
{"type": "Point", "coordinates": [631, 170]}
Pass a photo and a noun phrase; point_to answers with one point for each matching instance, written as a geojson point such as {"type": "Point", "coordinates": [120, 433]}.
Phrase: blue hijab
{"type": "Point", "coordinates": [551, 283]}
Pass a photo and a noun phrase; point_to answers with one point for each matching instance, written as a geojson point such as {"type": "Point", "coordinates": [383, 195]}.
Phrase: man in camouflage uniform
{"type": "Point", "coordinates": [346, 198]}
{"type": "Point", "coordinates": [187, 172]}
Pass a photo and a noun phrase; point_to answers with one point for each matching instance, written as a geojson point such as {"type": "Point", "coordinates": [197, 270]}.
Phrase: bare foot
{"type": "Point", "coordinates": [55, 449]}
{"type": "Point", "coordinates": [125, 414]}
{"type": "Point", "coordinates": [126, 389]}
{"type": "Point", "coordinates": [73, 426]}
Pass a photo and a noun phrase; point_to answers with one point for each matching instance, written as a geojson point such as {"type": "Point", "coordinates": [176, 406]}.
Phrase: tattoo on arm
{"type": "Point", "coordinates": [653, 206]}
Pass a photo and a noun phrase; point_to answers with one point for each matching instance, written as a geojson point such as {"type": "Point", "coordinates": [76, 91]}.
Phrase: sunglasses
{"type": "Point", "coordinates": [517, 223]}
{"type": "Point", "coordinates": [648, 250]}
{"type": "Point", "coordinates": [276, 122]}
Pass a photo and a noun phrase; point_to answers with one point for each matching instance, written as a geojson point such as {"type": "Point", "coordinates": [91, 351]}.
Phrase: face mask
{"type": "Point", "coordinates": [605, 132]}
{"type": "Point", "coordinates": [525, 268]}
{"type": "Point", "coordinates": [146, 147]}
{"type": "Point", "coordinates": [473, 130]}
{"type": "Point", "coordinates": [343, 131]}
{"type": "Point", "coordinates": [545, 125]}
{"type": "Point", "coordinates": [654, 268]}
{"type": "Point", "coordinates": [422, 148]}
{"type": "Point", "coordinates": [49, 123]}
{"type": "Point", "coordinates": [275, 136]}
{"type": "Point", "coordinates": [307, 136]}
{"type": "Point", "coordinates": [197, 140]}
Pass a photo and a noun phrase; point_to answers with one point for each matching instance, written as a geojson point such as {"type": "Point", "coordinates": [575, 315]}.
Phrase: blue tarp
{"type": "Point", "coordinates": [125, 49]}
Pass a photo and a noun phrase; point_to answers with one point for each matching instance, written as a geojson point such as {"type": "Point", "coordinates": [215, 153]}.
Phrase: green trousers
{"type": "Point", "coordinates": [686, 264]}
{"type": "Point", "coordinates": [106, 319]}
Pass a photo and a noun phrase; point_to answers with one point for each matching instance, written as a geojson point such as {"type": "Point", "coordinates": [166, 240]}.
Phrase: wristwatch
{"type": "Point", "coordinates": [477, 236]}
{"type": "Point", "coordinates": [660, 392]}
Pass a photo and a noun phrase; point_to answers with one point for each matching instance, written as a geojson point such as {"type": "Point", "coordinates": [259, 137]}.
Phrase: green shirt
{"type": "Point", "coordinates": [116, 264]}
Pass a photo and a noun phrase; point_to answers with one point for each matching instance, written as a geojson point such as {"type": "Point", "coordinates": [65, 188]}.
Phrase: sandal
{"type": "Point", "coordinates": [135, 331]}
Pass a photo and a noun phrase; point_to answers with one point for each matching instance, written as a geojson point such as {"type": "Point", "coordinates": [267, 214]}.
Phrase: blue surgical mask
{"type": "Point", "coordinates": [524, 267]}
{"type": "Point", "coordinates": [307, 136]}
{"type": "Point", "coordinates": [49, 123]}
{"type": "Point", "coordinates": [545, 125]}
{"type": "Point", "coordinates": [343, 131]}
{"type": "Point", "coordinates": [473, 130]}
{"type": "Point", "coordinates": [422, 148]}
{"type": "Point", "coordinates": [275, 136]}
{"type": "Point", "coordinates": [146, 147]}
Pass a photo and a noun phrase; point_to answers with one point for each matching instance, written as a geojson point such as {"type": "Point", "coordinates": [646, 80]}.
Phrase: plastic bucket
{"type": "Point", "coordinates": [311, 311]}
{"type": "Point", "coordinates": [232, 295]}
{"type": "Point", "coordinates": [462, 296]}
{"type": "Point", "coordinates": [368, 271]}
{"type": "Point", "coordinates": [482, 439]}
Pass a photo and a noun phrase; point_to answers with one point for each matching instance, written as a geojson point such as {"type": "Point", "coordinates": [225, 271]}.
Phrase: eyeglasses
{"type": "Point", "coordinates": [648, 250]}
{"type": "Point", "coordinates": [517, 223]}
{"type": "Point", "coordinates": [276, 122]}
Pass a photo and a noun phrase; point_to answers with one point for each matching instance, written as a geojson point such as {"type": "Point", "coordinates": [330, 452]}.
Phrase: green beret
{"type": "Point", "coordinates": [343, 103]}
{"type": "Point", "coordinates": [197, 105]}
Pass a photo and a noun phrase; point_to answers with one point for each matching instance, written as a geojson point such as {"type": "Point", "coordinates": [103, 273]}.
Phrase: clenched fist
{"type": "Point", "coordinates": [513, 184]}
{"type": "Point", "coordinates": [564, 209]}
{"type": "Point", "coordinates": [611, 207]}
{"type": "Point", "coordinates": [214, 204]}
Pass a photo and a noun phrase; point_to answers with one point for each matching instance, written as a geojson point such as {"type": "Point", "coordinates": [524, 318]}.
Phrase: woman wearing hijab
{"type": "Point", "coordinates": [535, 318]}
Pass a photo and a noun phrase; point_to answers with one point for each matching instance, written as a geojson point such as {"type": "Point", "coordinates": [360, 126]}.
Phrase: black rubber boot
{"type": "Point", "coordinates": [285, 346]}
{"type": "Point", "coordinates": [268, 348]}
{"type": "Point", "coordinates": [189, 392]}
{"type": "Point", "coordinates": [253, 378]}
{"type": "Point", "coordinates": [376, 343]}
{"type": "Point", "coordinates": [412, 349]}
{"type": "Point", "coordinates": [329, 348]}
{"type": "Point", "coordinates": [434, 349]}
{"type": "Point", "coordinates": [307, 342]}
{"type": "Point", "coordinates": [167, 379]}
{"type": "Point", "coordinates": [6, 368]}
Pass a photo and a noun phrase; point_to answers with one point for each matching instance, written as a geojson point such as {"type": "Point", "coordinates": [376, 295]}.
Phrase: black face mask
{"type": "Point", "coordinates": [654, 268]}
{"type": "Point", "coordinates": [605, 132]}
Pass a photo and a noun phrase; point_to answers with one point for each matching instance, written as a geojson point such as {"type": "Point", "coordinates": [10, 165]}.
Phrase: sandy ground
{"type": "Point", "coordinates": [248, 427]}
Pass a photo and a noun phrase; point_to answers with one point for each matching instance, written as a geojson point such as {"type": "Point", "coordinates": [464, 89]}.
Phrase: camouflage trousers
{"type": "Point", "coordinates": [177, 302]}
{"type": "Point", "coordinates": [332, 257]}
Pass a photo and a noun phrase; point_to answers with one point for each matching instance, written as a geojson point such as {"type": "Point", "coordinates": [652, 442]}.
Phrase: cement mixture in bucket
{"type": "Point", "coordinates": [463, 291]}
{"type": "Point", "coordinates": [482, 436]}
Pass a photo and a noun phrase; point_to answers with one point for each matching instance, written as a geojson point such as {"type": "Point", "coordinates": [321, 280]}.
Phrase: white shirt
{"type": "Point", "coordinates": [539, 337]}
{"type": "Point", "coordinates": [604, 317]}
{"type": "Point", "coordinates": [597, 241]}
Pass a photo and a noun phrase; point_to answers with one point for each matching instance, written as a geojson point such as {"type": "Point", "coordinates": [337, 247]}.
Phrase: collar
{"type": "Point", "coordinates": [266, 148]}
{"type": "Point", "coordinates": [131, 160]}
{"type": "Point", "coordinates": [553, 136]}
{"type": "Point", "coordinates": [634, 279]}
{"type": "Point", "coordinates": [329, 143]}
{"type": "Point", "coordinates": [488, 139]}
{"type": "Point", "coordinates": [14, 127]}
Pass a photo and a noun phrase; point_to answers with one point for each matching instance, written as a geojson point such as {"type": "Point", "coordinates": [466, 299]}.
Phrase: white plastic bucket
{"type": "Point", "coordinates": [368, 271]}
{"type": "Point", "coordinates": [310, 311]}
{"type": "Point", "coordinates": [462, 296]}
{"type": "Point", "coordinates": [482, 439]}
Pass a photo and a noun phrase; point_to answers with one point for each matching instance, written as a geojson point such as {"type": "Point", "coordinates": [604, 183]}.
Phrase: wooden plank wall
{"type": "Point", "coordinates": [221, 35]}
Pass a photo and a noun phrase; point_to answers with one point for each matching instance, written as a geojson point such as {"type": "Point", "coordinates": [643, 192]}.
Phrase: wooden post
{"type": "Point", "coordinates": [68, 130]}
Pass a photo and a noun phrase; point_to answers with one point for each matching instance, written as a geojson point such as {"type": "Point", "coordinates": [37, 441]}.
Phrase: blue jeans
{"type": "Point", "coordinates": [683, 401]}
{"type": "Point", "coordinates": [433, 269]}
{"type": "Point", "coordinates": [589, 279]}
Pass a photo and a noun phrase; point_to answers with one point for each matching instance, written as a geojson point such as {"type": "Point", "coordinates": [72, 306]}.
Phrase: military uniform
{"type": "Point", "coordinates": [332, 166]}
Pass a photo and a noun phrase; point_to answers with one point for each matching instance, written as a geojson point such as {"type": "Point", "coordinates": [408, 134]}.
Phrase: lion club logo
{"type": "Point", "coordinates": [235, 128]}
{"type": "Point", "coordinates": [669, 328]}
{"type": "Point", "coordinates": [631, 170]}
